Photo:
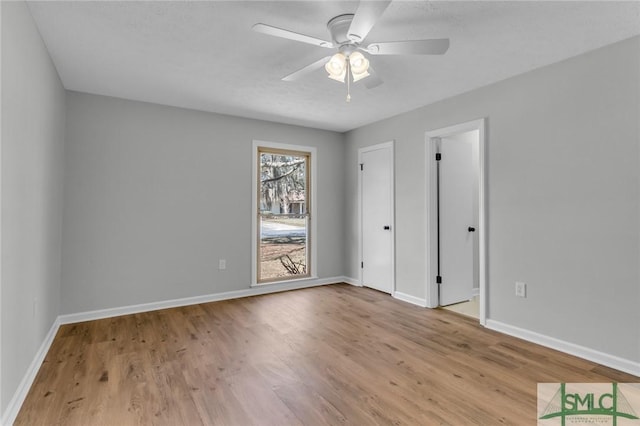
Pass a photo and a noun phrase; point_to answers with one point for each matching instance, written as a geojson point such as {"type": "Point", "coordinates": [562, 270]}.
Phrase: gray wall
{"type": "Point", "coordinates": [563, 188]}
{"type": "Point", "coordinates": [155, 195]}
{"type": "Point", "coordinates": [33, 121]}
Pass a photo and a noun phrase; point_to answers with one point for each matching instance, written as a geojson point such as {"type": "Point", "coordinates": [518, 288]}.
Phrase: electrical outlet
{"type": "Point", "coordinates": [521, 289]}
{"type": "Point", "coordinates": [222, 264]}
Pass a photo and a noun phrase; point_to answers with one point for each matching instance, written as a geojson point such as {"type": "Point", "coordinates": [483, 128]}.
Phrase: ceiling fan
{"type": "Point", "coordinates": [348, 33]}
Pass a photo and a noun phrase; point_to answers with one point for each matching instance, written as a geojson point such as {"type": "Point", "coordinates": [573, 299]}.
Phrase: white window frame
{"type": "Point", "coordinates": [312, 237]}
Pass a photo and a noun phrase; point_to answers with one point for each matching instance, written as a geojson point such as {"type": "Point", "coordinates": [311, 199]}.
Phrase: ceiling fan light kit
{"type": "Point", "coordinates": [337, 66]}
{"type": "Point", "coordinates": [347, 32]}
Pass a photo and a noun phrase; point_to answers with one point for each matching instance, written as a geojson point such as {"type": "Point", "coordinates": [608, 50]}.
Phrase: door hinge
{"type": "Point", "coordinates": [438, 279]}
{"type": "Point", "coordinates": [361, 166]}
{"type": "Point", "coordinates": [438, 156]}
{"type": "Point", "coordinates": [361, 264]}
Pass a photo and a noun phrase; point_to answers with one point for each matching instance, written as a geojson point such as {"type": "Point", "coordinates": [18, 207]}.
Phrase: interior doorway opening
{"type": "Point", "coordinates": [456, 219]}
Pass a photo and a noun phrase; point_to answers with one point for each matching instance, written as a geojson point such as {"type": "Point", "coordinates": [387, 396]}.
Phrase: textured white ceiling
{"type": "Point", "coordinates": [204, 55]}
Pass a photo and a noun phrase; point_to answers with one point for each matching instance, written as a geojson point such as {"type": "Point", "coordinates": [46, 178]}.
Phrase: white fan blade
{"type": "Point", "coordinates": [307, 70]}
{"type": "Point", "coordinates": [279, 32]}
{"type": "Point", "coordinates": [365, 18]}
{"type": "Point", "coordinates": [436, 46]}
{"type": "Point", "coordinates": [373, 80]}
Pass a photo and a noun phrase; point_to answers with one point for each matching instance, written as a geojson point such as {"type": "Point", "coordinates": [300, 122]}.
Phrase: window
{"type": "Point", "coordinates": [283, 207]}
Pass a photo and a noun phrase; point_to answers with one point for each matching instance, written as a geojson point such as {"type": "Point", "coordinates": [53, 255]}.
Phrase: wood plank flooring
{"type": "Point", "coordinates": [321, 356]}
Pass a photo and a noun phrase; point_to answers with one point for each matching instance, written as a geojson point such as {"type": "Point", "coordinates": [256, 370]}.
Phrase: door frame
{"type": "Point", "coordinates": [431, 139]}
{"type": "Point", "coordinates": [361, 151]}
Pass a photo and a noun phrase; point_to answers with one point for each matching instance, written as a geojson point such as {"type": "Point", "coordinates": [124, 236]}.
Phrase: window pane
{"type": "Point", "coordinates": [283, 216]}
{"type": "Point", "coordinates": [283, 246]}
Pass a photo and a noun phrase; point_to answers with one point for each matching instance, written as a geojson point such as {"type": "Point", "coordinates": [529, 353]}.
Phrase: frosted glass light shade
{"type": "Point", "coordinates": [337, 67]}
{"type": "Point", "coordinates": [359, 64]}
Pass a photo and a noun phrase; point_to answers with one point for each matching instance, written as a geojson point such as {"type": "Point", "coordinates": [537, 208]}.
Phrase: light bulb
{"type": "Point", "coordinates": [359, 64]}
{"type": "Point", "coordinates": [336, 67]}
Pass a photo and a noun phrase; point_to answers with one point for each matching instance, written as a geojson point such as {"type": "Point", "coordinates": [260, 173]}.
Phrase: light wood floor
{"type": "Point", "coordinates": [326, 355]}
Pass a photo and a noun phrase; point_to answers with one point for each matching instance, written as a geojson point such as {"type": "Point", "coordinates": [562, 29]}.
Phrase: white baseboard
{"type": "Point", "coordinates": [475, 292]}
{"type": "Point", "coordinates": [352, 281]}
{"type": "Point", "coordinates": [608, 360]}
{"type": "Point", "coordinates": [214, 297]}
{"type": "Point", "coordinates": [11, 412]}
{"type": "Point", "coordinates": [410, 299]}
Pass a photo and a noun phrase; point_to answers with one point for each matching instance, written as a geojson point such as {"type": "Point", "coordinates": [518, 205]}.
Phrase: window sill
{"type": "Point", "coordinates": [292, 282]}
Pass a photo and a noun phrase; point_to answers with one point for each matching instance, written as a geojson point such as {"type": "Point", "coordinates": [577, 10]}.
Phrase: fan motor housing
{"type": "Point", "coordinates": [339, 27]}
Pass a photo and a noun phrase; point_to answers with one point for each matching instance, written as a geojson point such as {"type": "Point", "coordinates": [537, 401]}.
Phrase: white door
{"type": "Point", "coordinates": [377, 216]}
{"type": "Point", "coordinates": [458, 217]}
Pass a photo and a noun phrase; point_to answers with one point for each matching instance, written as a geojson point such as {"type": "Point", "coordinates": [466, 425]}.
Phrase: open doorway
{"type": "Point", "coordinates": [456, 219]}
